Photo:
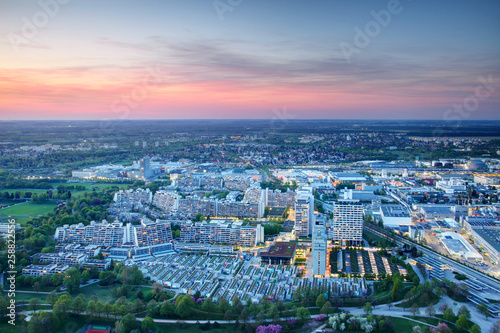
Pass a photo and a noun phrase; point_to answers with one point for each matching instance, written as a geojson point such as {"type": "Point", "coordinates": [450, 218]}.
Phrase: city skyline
{"type": "Point", "coordinates": [250, 60]}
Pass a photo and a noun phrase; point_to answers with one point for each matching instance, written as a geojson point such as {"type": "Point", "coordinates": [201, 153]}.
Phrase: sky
{"type": "Point", "coordinates": [250, 59]}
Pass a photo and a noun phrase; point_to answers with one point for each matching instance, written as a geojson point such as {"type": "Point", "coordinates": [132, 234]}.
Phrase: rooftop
{"type": "Point", "coordinates": [281, 249]}
{"type": "Point", "coordinates": [490, 235]}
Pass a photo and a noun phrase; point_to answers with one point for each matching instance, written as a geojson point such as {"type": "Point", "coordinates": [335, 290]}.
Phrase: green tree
{"type": "Point", "coordinates": [52, 298]}
{"type": "Point", "coordinates": [183, 306]}
{"type": "Point", "coordinates": [72, 280]}
{"type": "Point", "coordinates": [326, 309]}
{"type": "Point", "coordinates": [463, 310]}
{"type": "Point", "coordinates": [367, 308]}
{"type": "Point", "coordinates": [483, 309]}
{"type": "Point", "coordinates": [128, 323]}
{"type": "Point", "coordinates": [209, 306]}
{"type": "Point", "coordinates": [475, 329]}
{"type": "Point", "coordinates": [79, 304]}
{"type": "Point", "coordinates": [398, 284]}
{"type": "Point", "coordinates": [448, 314]}
{"type": "Point", "coordinates": [320, 301]}
{"type": "Point", "coordinates": [223, 305]}
{"type": "Point", "coordinates": [303, 314]}
{"type": "Point", "coordinates": [167, 309]}
{"type": "Point", "coordinates": [34, 303]}
{"type": "Point", "coordinates": [148, 324]}
{"type": "Point", "coordinates": [462, 322]}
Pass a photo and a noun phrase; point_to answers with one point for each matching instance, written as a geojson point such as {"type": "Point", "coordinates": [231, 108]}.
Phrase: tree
{"type": "Point", "coordinates": [430, 311]}
{"type": "Point", "coordinates": [464, 310]}
{"type": "Point", "coordinates": [414, 309]}
{"type": "Point", "coordinates": [483, 309]}
{"type": "Point", "coordinates": [107, 309]}
{"type": "Point", "coordinates": [244, 316]}
{"type": "Point", "coordinates": [223, 305]}
{"type": "Point", "coordinates": [475, 329]}
{"type": "Point", "coordinates": [72, 280]}
{"type": "Point", "coordinates": [184, 306]}
{"type": "Point", "coordinates": [37, 286]}
{"type": "Point", "coordinates": [153, 308]}
{"type": "Point", "coordinates": [62, 306]}
{"type": "Point", "coordinates": [303, 314]}
{"type": "Point", "coordinates": [209, 306]}
{"type": "Point", "coordinates": [148, 324]}
{"type": "Point", "coordinates": [52, 298]}
{"type": "Point", "coordinates": [33, 304]}
{"type": "Point", "coordinates": [326, 308]}
{"type": "Point", "coordinates": [462, 322]}
{"type": "Point", "coordinates": [128, 323]}
{"type": "Point", "coordinates": [367, 308]}
{"type": "Point", "coordinates": [396, 288]}
{"type": "Point", "coordinates": [79, 304]}
{"type": "Point", "coordinates": [228, 315]}
{"type": "Point", "coordinates": [448, 314]}
{"type": "Point", "coordinates": [443, 307]}
{"type": "Point", "coordinates": [320, 301]}
{"type": "Point", "coordinates": [442, 328]}
{"type": "Point", "coordinates": [496, 327]}
{"type": "Point", "coordinates": [85, 276]}
{"type": "Point", "coordinates": [167, 309]}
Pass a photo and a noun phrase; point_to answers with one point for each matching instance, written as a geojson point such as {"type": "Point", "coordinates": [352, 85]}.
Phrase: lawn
{"type": "Point", "coordinates": [74, 323]}
{"type": "Point", "coordinates": [104, 294]}
{"type": "Point", "coordinates": [404, 325]}
{"type": "Point", "coordinates": [25, 211]}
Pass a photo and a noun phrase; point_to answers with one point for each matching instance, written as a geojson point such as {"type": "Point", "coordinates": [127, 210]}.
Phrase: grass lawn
{"type": "Point", "coordinates": [5, 327]}
{"type": "Point", "coordinates": [404, 325]}
{"type": "Point", "coordinates": [433, 299]}
{"type": "Point", "coordinates": [74, 323]}
{"type": "Point", "coordinates": [25, 211]}
{"type": "Point", "coordinates": [104, 294]}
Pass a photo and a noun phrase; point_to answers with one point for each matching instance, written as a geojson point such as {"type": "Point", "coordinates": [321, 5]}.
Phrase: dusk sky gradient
{"type": "Point", "coordinates": [91, 59]}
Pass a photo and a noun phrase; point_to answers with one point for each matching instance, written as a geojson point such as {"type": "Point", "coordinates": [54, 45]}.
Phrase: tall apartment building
{"type": "Point", "coordinates": [221, 232]}
{"type": "Point", "coordinates": [277, 198]}
{"type": "Point", "coordinates": [152, 233]}
{"type": "Point", "coordinates": [304, 213]}
{"type": "Point", "coordinates": [116, 234]}
{"type": "Point", "coordinates": [143, 196]}
{"type": "Point", "coordinates": [319, 246]}
{"type": "Point", "coordinates": [347, 226]}
{"type": "Point", "coordinates": [193, 205]}
{"type": "Point", "coordinates": [166, 200]}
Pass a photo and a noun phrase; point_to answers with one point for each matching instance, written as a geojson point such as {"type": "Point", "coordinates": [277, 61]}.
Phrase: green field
{"type": "Point", "coordinates": [22, 213]}
{"type": "Point", "coordinates": [89, 186]}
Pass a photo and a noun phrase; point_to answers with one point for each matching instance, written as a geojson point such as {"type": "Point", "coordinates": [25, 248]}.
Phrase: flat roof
{"type": "Point", "coordinates": [490, 235]}
{"type": "Point", "coordinates": [281, 249]}
{"type": "Point", "coordinates": [437, 209]}
{"type": "Point", "coordinates": [394, 211]}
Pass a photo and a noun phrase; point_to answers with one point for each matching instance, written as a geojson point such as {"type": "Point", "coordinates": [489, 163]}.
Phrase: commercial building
{"type": "Point", "coordinates": [395, 215]}
{"type": "Point", "coordinates": [279, 253]}
{"type": "Point", "coordinates": [488, 237]}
